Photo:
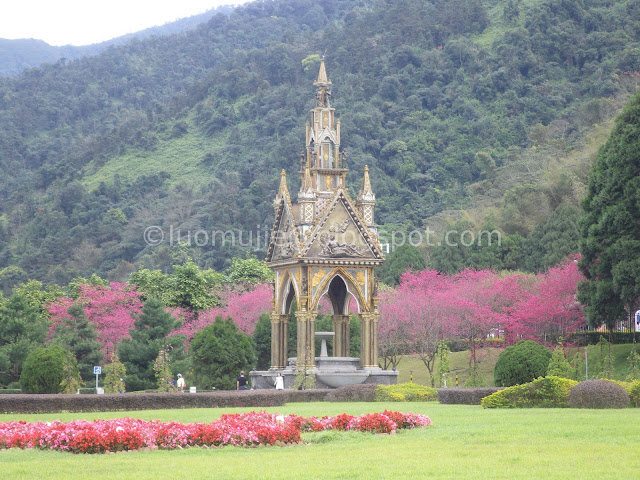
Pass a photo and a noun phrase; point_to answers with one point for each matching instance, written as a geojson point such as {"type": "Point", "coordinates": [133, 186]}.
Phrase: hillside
{"type": "Point", "coordinates": [17, 55]}
{"type": "Point", "coordinates": [484, 113]}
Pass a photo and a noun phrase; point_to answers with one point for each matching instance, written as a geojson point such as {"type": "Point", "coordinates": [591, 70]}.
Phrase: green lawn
{"type": "Point", "coordinates": [465, 442]}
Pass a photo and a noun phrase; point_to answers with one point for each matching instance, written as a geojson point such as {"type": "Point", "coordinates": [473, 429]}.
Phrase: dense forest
{"type": "Point", "coordinates": [470, 115]}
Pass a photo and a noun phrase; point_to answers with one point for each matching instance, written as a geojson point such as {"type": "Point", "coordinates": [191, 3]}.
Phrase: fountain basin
{"type": "Point", "coordinates": [340, 379]}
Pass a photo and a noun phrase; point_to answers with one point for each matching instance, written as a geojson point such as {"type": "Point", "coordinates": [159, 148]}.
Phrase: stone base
{"type": "Point", "coordinates": [330, 372]}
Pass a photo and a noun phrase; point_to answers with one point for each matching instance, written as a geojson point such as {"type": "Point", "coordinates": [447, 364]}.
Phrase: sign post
{"type": "Point", "coordinates": [97, 371]}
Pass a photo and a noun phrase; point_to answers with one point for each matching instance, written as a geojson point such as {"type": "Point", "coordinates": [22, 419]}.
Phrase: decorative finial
{"type": "Point", "coordinates": [283, 183]}
{"type": "Point", "coordinates": [306, 180]}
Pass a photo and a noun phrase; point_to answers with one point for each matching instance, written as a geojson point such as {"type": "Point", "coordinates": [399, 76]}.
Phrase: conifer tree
{"type": "Point", "coordinates": [148, 337]}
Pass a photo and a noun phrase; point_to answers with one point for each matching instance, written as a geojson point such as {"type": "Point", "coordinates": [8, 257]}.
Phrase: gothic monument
{"type": "Point", "coordinates": [325, 244]}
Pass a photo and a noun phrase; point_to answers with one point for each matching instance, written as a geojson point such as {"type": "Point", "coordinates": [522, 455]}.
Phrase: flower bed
{"type": "Point", "coordinates": [247, 430]}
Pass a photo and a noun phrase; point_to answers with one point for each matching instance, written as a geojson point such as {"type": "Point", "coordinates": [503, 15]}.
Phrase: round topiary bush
{"type": "Point", "coordinates": [598, 394]}
{"type": "Point", "coordinates": [50, 370]}
{"type": "Point", "coordinates": [521, 363]}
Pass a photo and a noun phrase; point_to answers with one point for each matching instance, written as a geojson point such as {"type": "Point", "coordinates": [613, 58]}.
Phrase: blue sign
{"type": "Point", "coordinates": [97, 370]}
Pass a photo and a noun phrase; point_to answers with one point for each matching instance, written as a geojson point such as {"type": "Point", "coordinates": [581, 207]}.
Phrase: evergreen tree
{"type": "Point", "coordinates": [114, 374]}
{"type": "Point", "coordinates": [80, 337]}
{"type": "Point", "coordinates": [148, 337]}
{"type": "Point", "coordinates": [558, 364]}
{"type": "Point", "coordinates": [610, 228]}
{"type": "Point", "coordinates": [262, 340]}
{"type": "Point", "coordinates": [219, 352]}
{"type": "Point", "coordinates": [23, 328]}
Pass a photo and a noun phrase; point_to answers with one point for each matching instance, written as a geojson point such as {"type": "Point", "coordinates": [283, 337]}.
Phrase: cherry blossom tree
{"type": "Point", "coordinates": [111, 309]}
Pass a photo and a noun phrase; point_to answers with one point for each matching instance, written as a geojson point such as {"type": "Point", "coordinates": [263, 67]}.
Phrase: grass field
{"type": "Point", "coordinates": [465, 442]}
{"type": "Point", "coordinates": [459, 362]}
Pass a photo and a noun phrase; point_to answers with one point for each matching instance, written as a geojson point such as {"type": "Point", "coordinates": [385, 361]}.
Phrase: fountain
{"type": "Point", "coordinates": [337, 371]}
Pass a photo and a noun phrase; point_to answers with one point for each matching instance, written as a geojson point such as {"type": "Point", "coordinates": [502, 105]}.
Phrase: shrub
{"type": "Point", "coordinates": [49, 370]}
{"type": "Point", "coordinates": [219, 352]}
{"type": "Point", "coordinates": [634, 393]}
{"type": "Point", "coordinates": [365, 392]}
{"type": "Point", "coordinates": [598, 394]}
{"type": "Point", "coordinates": [550, 392]}
{"type": "Point", "coordinates": [521, 363]}
{"type": "Point", "coordinates": [464, 396]}
{"type": "Point", "coordinates": [406, 392]}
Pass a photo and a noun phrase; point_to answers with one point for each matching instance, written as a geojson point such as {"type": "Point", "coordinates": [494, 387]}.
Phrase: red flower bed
{"type": "Point", "coordinates": [249, 429]}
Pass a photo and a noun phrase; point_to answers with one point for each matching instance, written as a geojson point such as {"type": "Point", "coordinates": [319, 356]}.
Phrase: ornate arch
{"type": "Point", "coordinates": [352, 286]}
{"type": "Point", "coordinates": [287, 288]}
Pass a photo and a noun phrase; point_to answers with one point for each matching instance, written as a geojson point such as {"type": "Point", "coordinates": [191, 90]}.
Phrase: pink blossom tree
{"type": "Point", "coordinates": [111, 309]}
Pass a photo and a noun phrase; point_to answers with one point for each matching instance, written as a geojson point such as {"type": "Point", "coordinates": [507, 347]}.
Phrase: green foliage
{"type": "Point", "coordinates": [444, 366]}
{"type": "Point", "coordinates": [262, 341]}
{"type": "Point", "coordinates": [403, 258]}
{"type": "Point", "coordinates": [443, 106]}
{"type": "Point", "coordinates": [634, 364]}
{"type": "Point", "coordinates": [49, 370]}
{"type": "Point", "coordinates": [80, 337]}
{"type": "Point", "coordinates": [23, 328]}
{"type": "Point", "coordinates": [148, 337]}
{"type": "Point", "coordinates": [521, 363]}
{"type": "Point", "coordinates": [406, 392]}
{"type": "Point", "coordinates": [634, 393]}
{"type": "Point", "coordinates": [610, 240]}
{"type": "Point", "coordinates": [558, 365]}
{"type": "Point", "coordinates": [114, 374]}
{"type": "Point", "coordinates": [598, 394]}
{"type": "Point", "coordinates": [218, 353]}
{"type": "Point", "coordinates": [250, 271]}
{"type": "Point", "coordinates": [476, 378]}
{"type": "Point", "coordinates": [162, 369]}
{"type": "Point", "coordinates": [549, 392]}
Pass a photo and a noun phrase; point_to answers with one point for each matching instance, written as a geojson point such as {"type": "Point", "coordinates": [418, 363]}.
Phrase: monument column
{"type": "Point", "coordinates": [306, 355]}
{"type": "Point", "coordinates": [279, 332]}
{"type": "Point", "coordinates": [369, 340]}
{"type": "Point", "coordinates": [341, 341]}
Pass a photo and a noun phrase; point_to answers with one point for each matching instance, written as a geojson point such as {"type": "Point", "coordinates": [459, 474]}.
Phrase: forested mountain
{"type": "Point", "coordinates": [16, 55]}
{"type": "Point", "coordinates": [484, 113]}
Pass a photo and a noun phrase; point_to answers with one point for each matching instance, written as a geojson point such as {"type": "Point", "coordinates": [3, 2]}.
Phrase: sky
{"type": "Point", "coordinates": [83, 22]}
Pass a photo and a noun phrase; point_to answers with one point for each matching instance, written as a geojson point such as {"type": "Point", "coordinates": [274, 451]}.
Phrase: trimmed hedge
{"type": "Point", "coordinates": [25, 403]}
{"type": "Point", "coordinates": [465, 396]}
{"type": "Point", "coordinates": [406, 392]}
{"type": "Point", "coordinates": [365, 392]}
{"type": "Point", "coordinates": [551, 392]}
{"type": "Point", "coordinates": [592, 338]}
{"type": "Point", "coordinates": [598, 394]}
{"type": "Point", "coordinates": [10, 391]}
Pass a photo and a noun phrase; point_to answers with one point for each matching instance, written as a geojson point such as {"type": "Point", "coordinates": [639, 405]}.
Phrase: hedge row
{"type": "Point", "coordinates": [465, 396]}
{"type": "Point", "coordinates": [592, 338]}
{"type": "Point", "coordinates": [24, 403]}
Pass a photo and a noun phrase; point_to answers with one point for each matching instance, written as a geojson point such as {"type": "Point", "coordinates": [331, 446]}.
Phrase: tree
{"type": "Point", "coordinates": [49, 370]}
{"type": "Point", "coordinates": [162, 369]}
{"type": "Point", "coordinates": [262, 341]}
{"type": "Point", "coordinates": [610, 229]}
{"type": "Point", "coordinates": [521, 363]}
{"type": "Point", "coordinates": [558, 364]}
{"type": "Point", "coordinates": [405, 257]}
{"type": "Point", "coordinates": [148, 337]}
{"type": "Point", "coordinates": [77, 335]}
{"type": "Point", "coordinates": [548, 309]}
{"type": "Point", "coordinates": [110, 308]}
{"type": "Point", "coordinates": [219, 352]}
{"type": "Point", "coordinates": [23, 328]}
{"type": "Point", "coordinates": [249, 271]}
{"type": "Point", "coordinates": [114, 374]}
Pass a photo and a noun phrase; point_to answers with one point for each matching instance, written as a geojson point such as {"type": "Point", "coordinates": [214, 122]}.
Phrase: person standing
{"type": "Point", "coordinates": [180, 383]}
{"type": "Point", "coordinates": [242, 383]}
{"type": "Point", "coordinates": [279, 381]}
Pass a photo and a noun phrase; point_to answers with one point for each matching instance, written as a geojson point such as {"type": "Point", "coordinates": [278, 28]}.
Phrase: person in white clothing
{"type": "Point", "coordinates": [279, 382]}
{"type": "Point", "coordinates": [180, 383]}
